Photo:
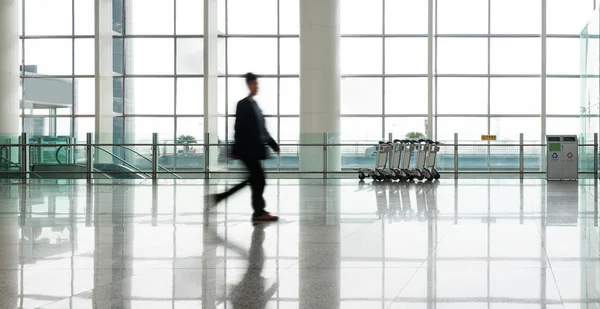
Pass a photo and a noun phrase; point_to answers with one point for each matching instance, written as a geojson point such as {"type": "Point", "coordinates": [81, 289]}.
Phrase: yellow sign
{"type": "Point", "coordinates": [488, 137]}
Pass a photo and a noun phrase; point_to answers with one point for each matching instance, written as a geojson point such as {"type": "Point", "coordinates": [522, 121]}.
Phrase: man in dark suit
{"type": "Point", "coordinates": [251, 139]}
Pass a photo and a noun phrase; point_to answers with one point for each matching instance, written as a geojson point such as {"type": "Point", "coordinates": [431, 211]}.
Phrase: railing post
{"type": "Point", "coordinates": [154, 155]}
{"type": "Point", "coordinates": [595, 155]}
{"type": "Point", "coordinates": [89, 163]}
{"type": "Point", "coordinates": [24, 158]}
{"type": "Point", "coordinates": [206, 155]}
{"type": "Point", "coordinates": [455, 155]}
{"type": "Point", "coordinates": [521, 156]}
{"type": "Point", "coordinates": [325, 155]}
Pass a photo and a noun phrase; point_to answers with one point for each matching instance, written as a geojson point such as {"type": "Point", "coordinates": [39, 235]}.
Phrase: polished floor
{"type": "Point", "coordinates": [464, 244]}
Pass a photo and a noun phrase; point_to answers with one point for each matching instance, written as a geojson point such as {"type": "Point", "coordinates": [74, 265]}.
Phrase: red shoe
{"type": "Point", "coordinates": [265, 217]}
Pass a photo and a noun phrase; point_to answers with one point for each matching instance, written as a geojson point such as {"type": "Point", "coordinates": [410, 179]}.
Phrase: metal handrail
{"type": "Point", "coordinates": [122, 161]}
{"type": "Point", "coordinates": [15, 164]}
{"type": "Point", "coordinates": [150, 160]}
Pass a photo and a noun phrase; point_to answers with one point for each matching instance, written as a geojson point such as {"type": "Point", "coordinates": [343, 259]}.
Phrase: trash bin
{"type": "Point", "coordinates": [563, 154]}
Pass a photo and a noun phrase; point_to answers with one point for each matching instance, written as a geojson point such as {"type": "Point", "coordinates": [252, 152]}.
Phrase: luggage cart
{"type": "Point", "coordinates": [433, 149]}
{"type": "Point", "coordinates": [407, 151]}
{"type": "Point", "coordinates": [380, 172]}
{"type": "Point", "coordinates": [396, 149]}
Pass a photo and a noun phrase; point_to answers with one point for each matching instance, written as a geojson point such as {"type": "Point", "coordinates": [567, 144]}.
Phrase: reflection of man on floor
{"type": "Point", "coordinates": [250, 292]}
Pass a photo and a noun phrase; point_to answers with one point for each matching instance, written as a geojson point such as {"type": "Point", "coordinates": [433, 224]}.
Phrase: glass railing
{"type": "Point", "coordinates": [202, 160]}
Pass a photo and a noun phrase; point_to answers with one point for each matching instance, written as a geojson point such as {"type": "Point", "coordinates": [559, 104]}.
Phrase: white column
{"type": "Point", "coordinates": [9, 70]}
{"type": "Point", "coordinates": [319, 82]}
{"type": "Point", "coordinates": [211, 74]}
{"type": "Point", "coordinates": [104, 76]}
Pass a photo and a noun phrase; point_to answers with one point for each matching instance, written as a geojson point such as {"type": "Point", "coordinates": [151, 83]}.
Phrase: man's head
{"type": "Point", "coordinates": [252, 82]}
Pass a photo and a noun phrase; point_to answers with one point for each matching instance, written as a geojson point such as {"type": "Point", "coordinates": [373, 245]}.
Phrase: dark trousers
{"type": "Point", "coordinates": [257, 183]}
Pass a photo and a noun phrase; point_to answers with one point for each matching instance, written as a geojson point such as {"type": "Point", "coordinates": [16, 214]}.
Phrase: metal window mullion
{"type": "Point", "coordinates": [434, 116]}
{"type": "Point", "coordinates": [489, 90]}
{"type": "Point", "coordinates": [383, 64]}
{"type": "Point", "coordinates": [73, 98]}
{"type": "Point", "coordinates": [543, 70]}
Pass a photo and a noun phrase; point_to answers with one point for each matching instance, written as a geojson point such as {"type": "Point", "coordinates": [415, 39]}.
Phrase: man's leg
{"type": "Point", "coordinates": [257, 182]}
{"type": "Point", "coordinates": [233, 190]}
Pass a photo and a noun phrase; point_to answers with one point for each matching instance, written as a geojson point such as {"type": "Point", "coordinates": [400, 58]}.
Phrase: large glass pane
{"type": "Point", "coordinates": [150, 16]}
{"type": "Point", "coordinates": [85, 96]}
{"type": "Point", "coordinates": [43, 17]}
{"type": "Point", "coordinates": [289, 17]}
{"type": "Point", "coordinates": [289, 132]}
{"type": "Point", "coordinates": [563, 126]}
{"type": "Point", "coordinates": [362, 96]}
{"type": "Point", "coordinates": [406, 56]}
{"type": "Point", "coordinates": [289, 96]}
{"type": "Point", "coordinates": [150, 56]}
{"type": "Point", "coordinates": [41, 94]}
{"type": "Point", "coordinates": [84, 57]}
{"type": "Point", "coordinates": [266, 97]}
{"type": "Point", "coordinates": [515, 56]}
{"type": "Point", "coordinates": [190, 17]}
{"type": "Point", "coordinates": [563, 96]}
{"type": "Point", "coordinates": [260, 59]}
{"type": "Point", "coordinates": [222, 96]}
{"type": "Point", "coordinates": [189, 137]}
{"type": "Point", "coordinates": [141, 128]}
{"type": "Point", "coordinates": [151, 96]}
{"type": "Point", "coordinates": [568, 17]}
{"type": "Point", "coordinates": [462, 56]}
{"type": "Point", "coordinates": [190, 56]}
{"type": "Point", "coordinates": [508, 129]}
{"type": "Point", "coordinates": [361, 129]}
{"type": "Point", "coordinates": [252, 17]}
{"type": "Point", "coordinates": [84, 17]}
{"type": "Point", "coordinates": [359, 17]}
{"type": "Point", "coordinates": [516, 16]}
{"type": "Point", "coordinates": [51, 56]}
{"type": "Point", "coordinates": [289, 51]}
{"type": "Point", "coordinates": [401, 126]}
{"type": "Point", "coordinates": [362, 56]}
{"type": "Point", "coordinates": [83, 126]}
{"type": "Point", "coordinates": [406, 95]}
{"type": "Point", "coordinates": [190, 96]}
{"type": "Point", "coordinates": [462, 95]}
{"type": "Point", "coordinates": [515, 96]}
{"type": "Point", "coordinates": [563, 56]}
{"type": "Point", "coordinates": [469, 129]}
{"type": "Point", "coordinates": [462, 16]}
{"type": "Point", "coordinates": [406, 17]}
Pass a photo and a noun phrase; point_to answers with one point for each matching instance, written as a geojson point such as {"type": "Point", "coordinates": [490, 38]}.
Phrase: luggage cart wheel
{"type": "Point", "coordinates": [420, 175]}
{"type": "Point", "coordinates": [436, 175]}
{"type": "Point", "coordinates": [428, 175]}
{"type": "Point", "coordinates": [361, 176]}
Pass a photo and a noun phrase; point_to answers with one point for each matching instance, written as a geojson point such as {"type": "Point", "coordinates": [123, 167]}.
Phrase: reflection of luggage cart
{"type": "Point", "coordinates": [380, 172]}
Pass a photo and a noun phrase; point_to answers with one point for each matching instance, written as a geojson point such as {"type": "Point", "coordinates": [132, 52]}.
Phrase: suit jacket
{"type": "Point", "coordinates": [248, 141]}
